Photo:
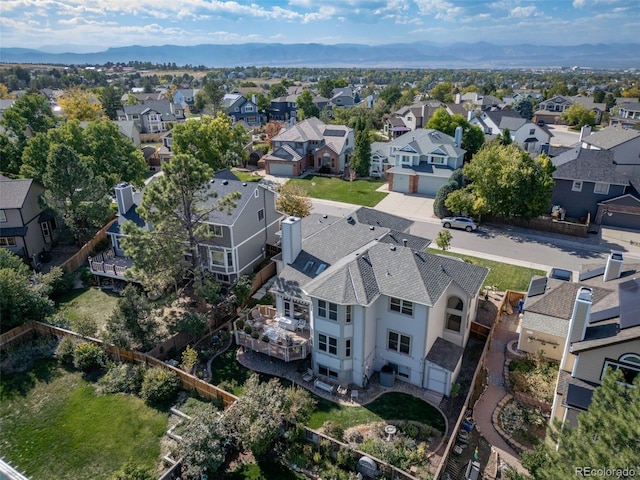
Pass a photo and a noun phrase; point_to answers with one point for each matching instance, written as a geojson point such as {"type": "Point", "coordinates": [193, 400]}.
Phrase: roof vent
{"type": "Point", "coordinates": [388, 273]}
{"type": "Point", "coordinates": [244, 184]}
{"type": "Point", "coordinates": [372, 227]}
{"type": "Point", "coordinates": [392, 248]}
{"type": "Point", "coordinates": [212, 180]}
{"type": "Point", "coordinates": [225, 182]}
{"type": "Point", "coordinates": [324, 216]}
{"type": "Point", "coordinates": [404, 242]}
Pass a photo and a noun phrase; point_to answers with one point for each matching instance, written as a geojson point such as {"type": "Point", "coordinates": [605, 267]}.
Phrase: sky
{"type": "Point", "coordinates": [95, 25]}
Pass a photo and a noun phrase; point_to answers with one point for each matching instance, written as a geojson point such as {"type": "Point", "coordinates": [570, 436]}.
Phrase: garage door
{"type": "Point", "coordinates": [621, 220]}
{"type": "Point", "coordinates": [281, 169]}
{"type": "Point", "coordinates": [401, 183]}
{"type": "Point", "coordinates": [437, 380]}
{"type": "Point", "coordinates": [429, 185]}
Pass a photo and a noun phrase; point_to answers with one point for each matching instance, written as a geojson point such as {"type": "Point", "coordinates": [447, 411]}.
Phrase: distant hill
{"type": "Point", "coordinates": [408, 55]}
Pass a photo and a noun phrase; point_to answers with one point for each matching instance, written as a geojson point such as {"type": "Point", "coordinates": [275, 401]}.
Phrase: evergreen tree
{"type": "Point", "coordinates": [361, 159]}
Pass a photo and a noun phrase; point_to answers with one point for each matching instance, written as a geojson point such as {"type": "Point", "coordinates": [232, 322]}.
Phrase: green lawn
{"type": "Point", "coordinates": [88, 303]}
{"type": "Point", "coordinates": [53, 425]}
{"type": "Point", "coordinates": [390, 406]}
{"type": "Point", "coordinates": [358, 192]}
{"type": "Point", "coordinates": [246, 176]}
{"type": "Point", "coordinates": [263, 471]}
{"type": "Point", "coordinates": [503, 275]}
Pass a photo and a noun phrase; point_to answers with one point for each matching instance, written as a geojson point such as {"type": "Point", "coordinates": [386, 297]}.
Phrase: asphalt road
{"type": "Point", "coordinates": [510, 245]}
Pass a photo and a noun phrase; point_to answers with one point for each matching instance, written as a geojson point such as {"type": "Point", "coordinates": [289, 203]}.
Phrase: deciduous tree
{"type": "Point", "coordinates": [578, 116]}
{"type": "Point", "coordinates": [293, 200]}
{"type": "Point", "coordinates": [306, 107]}
{"type": "Point", "coordinates": [79, 104]}
{"type": "Point", "coordinates": [525, 108]}
{"type": "Point", "coordinates": [443, 92]}
{"type": "Point", "coordinates": [132, 325]}
{"type": "Point", "coordinates": [214, 141]}
{"type": "Point", "coordinates": [31, 110]}
{"type": "Point", "coordinates": [443, 239]}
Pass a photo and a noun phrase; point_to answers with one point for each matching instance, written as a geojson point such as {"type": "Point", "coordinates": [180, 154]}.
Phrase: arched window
{"type": "Point", "coordinates": [454, 314]}
{"type": "Point", "coordinates": [326, 158]}
{"type": "Point", "coordinates": [630, 358]}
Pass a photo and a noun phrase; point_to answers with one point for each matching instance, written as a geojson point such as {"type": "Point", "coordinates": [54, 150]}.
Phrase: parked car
{"type": "Point", "coordinates": [465, 223]}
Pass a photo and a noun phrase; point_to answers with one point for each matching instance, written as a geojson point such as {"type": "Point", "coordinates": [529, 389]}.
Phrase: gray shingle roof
{"type": "Point", "coordinates": [558, 302]}
{"type": "Point", "coordinates": [369, 216]}
{"type": "Point", "coordinates": [445, 354]}
{"type": "Point", "coordinates": [588, 165]}
{"type": "Point", "coordinates": [13, 193]}
{"type": "Point", "coordinates": [223, 184]}
{"type": "Point", "coordinates": [611, 137]}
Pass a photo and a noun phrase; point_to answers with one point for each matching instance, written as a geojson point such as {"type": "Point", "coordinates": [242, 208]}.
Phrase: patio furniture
{"type": "Point", "coordinates": [255, 314]}
{"type": "Point", "coordinates": [307, 377]}
{"type": "Point", "coordinates": [301, 325]}
{"type": "Point", "coordinates": [342, 389]}
{"type": "Point", "coordinates": [324, 386]}
{"type": "Point", "coordinates": [287, 323]}
{"type": "Point", "coordinates": [354, 395]}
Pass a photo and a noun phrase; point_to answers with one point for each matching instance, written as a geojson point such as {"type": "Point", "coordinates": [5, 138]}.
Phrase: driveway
{"type": "Point", "coordinates": [413, 207]}
{"type": "Point", "coordinates": [563, 136]}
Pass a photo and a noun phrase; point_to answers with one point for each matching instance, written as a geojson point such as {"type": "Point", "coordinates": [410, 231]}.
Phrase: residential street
{"type": "Point", "coordinates": [508, 244]}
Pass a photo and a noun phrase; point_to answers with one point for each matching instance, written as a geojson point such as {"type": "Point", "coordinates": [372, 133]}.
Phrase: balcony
{"type": "Point", "coordinates": [284, 338]}
{"type": "Point", "coordinates": [108, 264]}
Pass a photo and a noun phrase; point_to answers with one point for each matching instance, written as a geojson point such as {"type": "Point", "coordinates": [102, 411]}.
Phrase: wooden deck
{"type": "Point", "coordinates": [107, 264]}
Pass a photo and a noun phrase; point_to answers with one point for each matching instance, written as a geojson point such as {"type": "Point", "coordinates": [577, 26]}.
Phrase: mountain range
{"type": "Point", "coordinates": [400, 55]}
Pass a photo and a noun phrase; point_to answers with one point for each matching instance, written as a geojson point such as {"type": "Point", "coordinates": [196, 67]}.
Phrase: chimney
{"type": "Point", "coordinates": [579, 321]}
{"type": "Point", "coordinates": [470, 115]}
{"type": "Point", "coordinates": [458, 137]}
{"type": "Point", "coordinates": [291, 239]}
{"type": "Point", "coordinates": [254, 99]}
{"type": "Point", "coordinates": [458, 99]}
{"type": "Point", "coordinates": [585, 131]}
{"type": "Point", "coordinates": [124, 197]}
{"type": "Point", "coordinates": [613, 269]}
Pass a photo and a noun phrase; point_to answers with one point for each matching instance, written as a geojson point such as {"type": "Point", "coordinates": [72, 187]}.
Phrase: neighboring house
{"type": "Point", "coordinates": [527, 135]}
{"type": "Point", "coordinates": [344, 97]}
{"type": "Point", "coordinates": [552, 109]}
{"type": "Point", "coordinates": [375, 299]}
{"type": "Point", "coordinates": [240, 109]}
{"type": "Point", "coordinates": [585, 178]}
{"type": "Point", "coordinates": [408, 119]}
{"type": "Point", "coordinates": [623, 142]}
{"type": "Point", "coordinates": [476, 100]}
{"type": "Point", "coordinates": [152, 116]}
{"type": "Point", "coordinates": [588, 327]}
{"type": "Point", "coordinates": [628, 117]}
{"type": "Point", "coordinates": [5, 104]}
{"type": "Point", "coordinates": [239, 236]}
{"type": "Point", "coordinates": [131, 130]}
{"type": "Point", "coordinates": [144, 97]}
{"type": "Point", "coordinates": [26, 229]}
{"type": "Point", "coordinates": [186, 97]}
{"type": "Point", "coordinates": [310, 144]}
{"type": "Point", "coordinates": [418, 162]}
{"type": "Point", "coordinates": [283, 108]}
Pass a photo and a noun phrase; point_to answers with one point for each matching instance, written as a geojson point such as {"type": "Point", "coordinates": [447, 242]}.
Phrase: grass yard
{"type": "Point", "coordinates": [246, 176]}
{"type": "Point", "coordinates": [85, 303]}
{"type": "Point", "coordinates": [390, 406]}
{"type": "Point", "coordinates": [53, 425]}
{"type": "Point", "coordinates": [263, 471]}
{"type": "Point", "coordinates": [503, 275]}
{"type": "Point", "coordinates": [358, 192]}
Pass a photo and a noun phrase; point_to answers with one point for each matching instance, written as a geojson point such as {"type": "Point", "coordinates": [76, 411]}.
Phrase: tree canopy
{"type": "Point", "coordinates": [578, 116]}
{"type": "Point", "coordinates": [306, 107]}
{"type": "Point", "coordinates": [472, 136]}
{"type": "Point", "coordinates": [214, 141]}
{"type": "Point", "coordinates": [293, 200]}
{"type": "Point", "coordinates": [606, 438]}
{"type": "Point", "coordinates": [525, 108]}
{"type": "Point", "coordinates": [361, 158]}
{"type": "Point", "coordinates": [509, 183]}
{"type": "Point", "coordinates": [79, 104]}
{"type": "Point", "coordinates": [177, 205]}
{"type": "Point", "coordinates": [31, 110]}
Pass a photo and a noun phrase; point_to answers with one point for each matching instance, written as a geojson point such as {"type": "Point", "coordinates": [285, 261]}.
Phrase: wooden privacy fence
{"type": "Point", "coordinates": [262, 276]}
{"type": "Point", "coordinates": [188, 381]}
{"type": "Point", "coordinates": [80, 258]}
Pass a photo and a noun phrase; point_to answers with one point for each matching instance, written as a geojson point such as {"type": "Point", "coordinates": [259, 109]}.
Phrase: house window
{"type": "Point", "coordinates": [629, 370]}
{"type": "Point", "coordinates": [222, 277]}
{"type": "Point", "coordinates": [287, 308]}
{"type": "Point", "coordinates": [347, 348]}
{"type": "Point", "coordinates": [327, 344]}
{"type": "Point", "coordinates": [601, 188]}
{"type": "Point", "coordinates": [7, 241]}
{"type": "Point", "coordinates": [402, 306]}
{"type": "Point", "coordinates": [216, 230]}
{"type": "Point", "coordinates": [3, 216]}
{"type": "Point", "coordinates": [230, 259]}
{"type": "Point", "coordinates": [577, 186]}
{"type": "Point", "coordinates": [532, 131]}
{"type": "Point", "coordinates": [347, 317]}
{"type": "Point", "coordinates": [454, 314]}
{"type": "Point", "coordinates": [217, 257]}
{"type": "Point", "coordinates": [333, 311]}
{"type": "Point", "coordinates": [401, 370]}
{"type": "Point", "coordinates": [322, 308]}
{"type": "Point", "coordinates": [261, 214]}
{"type": "Point", "coordinates": [399, 343]}
{"type": "Point", "coordinates": [327, 372]}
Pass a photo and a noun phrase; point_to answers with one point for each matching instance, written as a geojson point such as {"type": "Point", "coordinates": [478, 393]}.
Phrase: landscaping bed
{"type": "Point", "coordinates": [534, 376]}
{"type": "Point", "coordinates": [525, 426]}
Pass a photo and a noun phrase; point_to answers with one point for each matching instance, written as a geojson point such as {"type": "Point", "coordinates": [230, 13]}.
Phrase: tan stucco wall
{"type": "Point", "coordinates": [591, 362]}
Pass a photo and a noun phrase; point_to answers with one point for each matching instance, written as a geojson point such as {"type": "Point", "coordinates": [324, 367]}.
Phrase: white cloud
{"type": "Point", "coordinates": [579, 3]}
{"type": "Point", "coordinates": [440, 9]}
{"type": "Point", "coordinates": [523, 12]}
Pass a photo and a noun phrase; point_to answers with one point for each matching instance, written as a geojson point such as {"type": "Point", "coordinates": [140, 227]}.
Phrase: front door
{"type": "Point", "coordinates": [46, 232]}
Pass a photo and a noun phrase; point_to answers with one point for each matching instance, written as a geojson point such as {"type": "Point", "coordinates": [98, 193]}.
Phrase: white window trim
{"type": "Point", "coordinates": [401, 306]}
{"type": "Point", "coordinates": [577, 186]}
{"type": "Point", "coordinates": [214, 229]}
{"type": "Point", "coordinates": [595, 188]}
{"type": "Point", "coordinates": [3, 216]}
{"type": "Point", "coordinates": [617, 364]}
{"type": "Point", "coordinates": [400, 335]}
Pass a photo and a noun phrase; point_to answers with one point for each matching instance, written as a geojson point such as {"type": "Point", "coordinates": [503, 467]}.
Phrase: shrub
{"type": "Point", "coordinates": [240, 324]}
{"type": "Point", "coordinates": [122, 378]}
{"type": "Point", "coordinates": [334, 430]}
{"type": "Point", "coordinates": [58, 320]}
{"type": "Point", "coordinates": [524, 365]}
{"type": "Point", "coordinates": [86, 326]}
{"type": "Point", "coordinates": [411, 430]}
{"type": "Point", "coordinates": [354, 436]}
{"type": "Point", "coordinates": [255, 335]}
{"type": "Point", "coordinates": [159, 385]}
{"type": "Point", "coordinates": [241, 289]}
{"type": "Point", "coordinates": [346, 458]}
{"type": "Point", "coordinates": [265, 338]}
{"type": "Point", "coordinates": [88, 356]}
{"type": "Point", "coordinates": [66, 350]}
{"type": "Point", "coordinates": [248, 330]}
{"type": "Point", "coordinates": [455, 390]}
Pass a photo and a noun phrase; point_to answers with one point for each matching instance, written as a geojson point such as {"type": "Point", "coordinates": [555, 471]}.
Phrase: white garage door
{"type": "Point", "coordinates": [281, 169]}
{"type": "Point", "coordinates": [430, 185]}
{"type": "Point", "coordinates": [401, 183]}
{"type": "Point", "coordinates": [437, 380]}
